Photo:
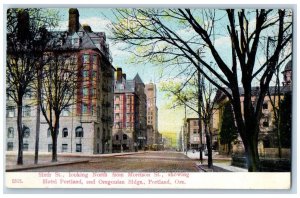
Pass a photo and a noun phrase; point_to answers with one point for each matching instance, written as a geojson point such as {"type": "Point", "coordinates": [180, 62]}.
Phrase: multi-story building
{"type": "Point", "coordinates": [192, 134]}
{"type": "Point", "coordinates": [85, 126]}
{"type": "Point", "coordinates": [152, 112]}
{"type": "Point", "coordinates": [129, 131]}
{"type": "Point", "coordinates": [267, 135]}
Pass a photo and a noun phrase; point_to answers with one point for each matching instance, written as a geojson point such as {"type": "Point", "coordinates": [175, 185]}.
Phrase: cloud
{"type": "Point", "coordinates": [97, 24]}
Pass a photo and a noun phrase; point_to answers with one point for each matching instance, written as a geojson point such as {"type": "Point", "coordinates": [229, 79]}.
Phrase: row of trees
{"type": "Point", "coordinates": [36, 63]}
{"type": "Point", "coordinates": [154, 36]}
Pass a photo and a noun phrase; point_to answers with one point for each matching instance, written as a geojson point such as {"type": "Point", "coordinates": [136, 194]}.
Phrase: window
{"type": "Point", "coordinates": [94, 74]}
{"type": "Point", "coordinates": [84, 108]}
{"type": "Point", "coordinates": [117, 106]}
{"type": "Point", "coordinates": [95, 59]}
{"type": "Point", "coordinates": [49, 147]}
{"type": "Point", "coordinates": [117, 98]}
{"type": "Point", "coordinates": [76, 42]}
{"type": "Point", "coordinates": [65, 111]}
{"type": "Point", "coordinates": [65, 132]}
{"type": "Point", "coordinates": [127, 124]}
{"type": "Point", "coordinates": [117, 116]}
{"type": "Point", "coordinates": [10, 132]}
{"type": "Point", "coordinates": [85, 73]}
{"type": "Point", "coordinates": [79, 131]}
{"type": "Point", "coordinates": [195, 131]}
{"type": "Point", "coordinates": [124, 137]}
{"type": "Point", "coordinates": [10, 111]}
{"type": "Point", "coordinates": [93, 110]}
{"type": "Point", "coordinates": [195, 123]}
{"type": "Point", "coordinates": [25, 147]}
{"type": "Point", "coordinates": [94, 92]}
{"type": "Point", "coordinates": [26, 111]}
{"type": "Point", "coordinates": [48, 132]}
{"type": "Point", "coordinates": [117, 137]}
{"type": "Point", "coordinates": [85, 92]}
{"type": "Point", "coordinates": [64, 148]}
{"type": "Point", "coordinates": [265, 105]}
{"type": "Point", "coordinates": [86, 59]}
{"type": "Point", "coordinates": [117, 124]}
{"type": "Point", "coordinates": [10, 146]}
{"type": "Point", "coordinates": [26, 132]}
{"type": "Point", "coordinates": [78, 148]}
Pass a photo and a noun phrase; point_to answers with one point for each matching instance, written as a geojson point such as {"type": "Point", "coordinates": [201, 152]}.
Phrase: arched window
{"type": "Point", "coordinates": [26, 132]}
{"type": "Point", "coordinates": [10, 132]}
{"type": "Point", "coordinates": [79, 131]}
{"type": "Point", "coordinates": [65, 132]}
{"type": "Point", "coordinates": [124, 137]}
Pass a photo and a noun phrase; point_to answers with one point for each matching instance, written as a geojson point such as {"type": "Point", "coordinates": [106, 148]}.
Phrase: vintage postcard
{"type": "Point", "coordinates": [148, 97]}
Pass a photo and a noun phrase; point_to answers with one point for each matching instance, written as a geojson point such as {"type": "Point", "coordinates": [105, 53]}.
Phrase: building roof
{"type": "Point", "coordinates": [64, 40]}
{"type": "Point", "coordinates": [254, 91]}
{"type": "Point", "coordinates": [138, 79]}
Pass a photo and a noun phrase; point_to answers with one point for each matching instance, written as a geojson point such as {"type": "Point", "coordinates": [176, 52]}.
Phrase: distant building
{"type": "Point", "coordinates": [86, 126]}
{"type": "Point", "coordinates": [129, 131]}
{"type": "Point", "coordinates": [192, 134]}
{"type": "Point", "coordinates": [152, 112]}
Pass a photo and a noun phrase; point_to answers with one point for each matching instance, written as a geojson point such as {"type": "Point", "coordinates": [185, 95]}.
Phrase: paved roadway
{"type": "Point", "coordinates": [160, 161]}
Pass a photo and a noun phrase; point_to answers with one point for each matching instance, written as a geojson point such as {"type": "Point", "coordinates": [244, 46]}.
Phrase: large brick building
{"type": "Point", "coordinates": [129, 131]}
{"type": "Point", "coordinates": [86, 126]}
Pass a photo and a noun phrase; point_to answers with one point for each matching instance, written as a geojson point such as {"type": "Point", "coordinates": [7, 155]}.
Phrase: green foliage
{"type": "Point", "coordinates": [285, 124]}
{"type": "Point", "coordinates": [228, 129]}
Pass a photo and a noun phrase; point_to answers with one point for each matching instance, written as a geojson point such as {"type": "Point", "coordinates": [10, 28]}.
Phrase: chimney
{"type": "Point", "coordinates": [73, 20]}
{"type": "Point", "coordinates": [119, 74]}
{"type": "Point", "coordinates": [124, 76]}
{"type": "Point", "coordinates": [87, 28]}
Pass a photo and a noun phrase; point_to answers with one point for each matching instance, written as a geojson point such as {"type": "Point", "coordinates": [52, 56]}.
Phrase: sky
{"type": "Point", "coordinates": [169, 120]}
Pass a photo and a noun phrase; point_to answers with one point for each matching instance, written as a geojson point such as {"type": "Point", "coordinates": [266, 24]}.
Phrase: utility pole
{"type": "Point", "coordinates": [199, 110]}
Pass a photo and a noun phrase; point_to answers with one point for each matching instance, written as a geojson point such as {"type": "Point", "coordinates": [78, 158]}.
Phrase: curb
{"type": "Point", "coordinates": [73, 162]}
{"type": "Point", "coordinates": [44, 165]}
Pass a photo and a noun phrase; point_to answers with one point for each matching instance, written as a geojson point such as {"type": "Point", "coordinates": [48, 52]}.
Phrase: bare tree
{"type": "Point", "coordinates": [27, 38]}
{"type": "Point", "coordinates": [58, 88]}
{"type": "Point", "coordinates": [154, 35]}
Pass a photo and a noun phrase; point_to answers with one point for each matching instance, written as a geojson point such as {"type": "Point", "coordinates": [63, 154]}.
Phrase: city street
{"type": "Point", "coordinates": [140, 162]}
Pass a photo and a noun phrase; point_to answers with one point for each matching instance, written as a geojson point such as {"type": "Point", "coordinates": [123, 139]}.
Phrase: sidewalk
{"type": "Point", "coordinates": [219, 162]}
{"type": "Point", "coordinates": [45, 159]}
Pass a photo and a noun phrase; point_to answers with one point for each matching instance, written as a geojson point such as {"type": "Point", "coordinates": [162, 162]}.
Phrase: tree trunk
{"type": "Point", "coordinates": [54, 139]}
{"type": "Point", "coordinates": [38, 119]}
{"type": "Point", "coordinates": [229, 148]}
{"type": "Point", "coordinates": [20, 134]}
{"type": "Point", "coordinates": [199, 118]}
{"type": "Point", "coordinates": [252, 157]}
{"type": "Point", "coordinates": [209, 149]}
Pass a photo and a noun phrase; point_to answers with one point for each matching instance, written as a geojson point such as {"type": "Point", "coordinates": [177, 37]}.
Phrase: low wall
{"type": "Point", "coordinates": [267, 164]}
{"type": "Point", "coordinates": [274, 153]}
